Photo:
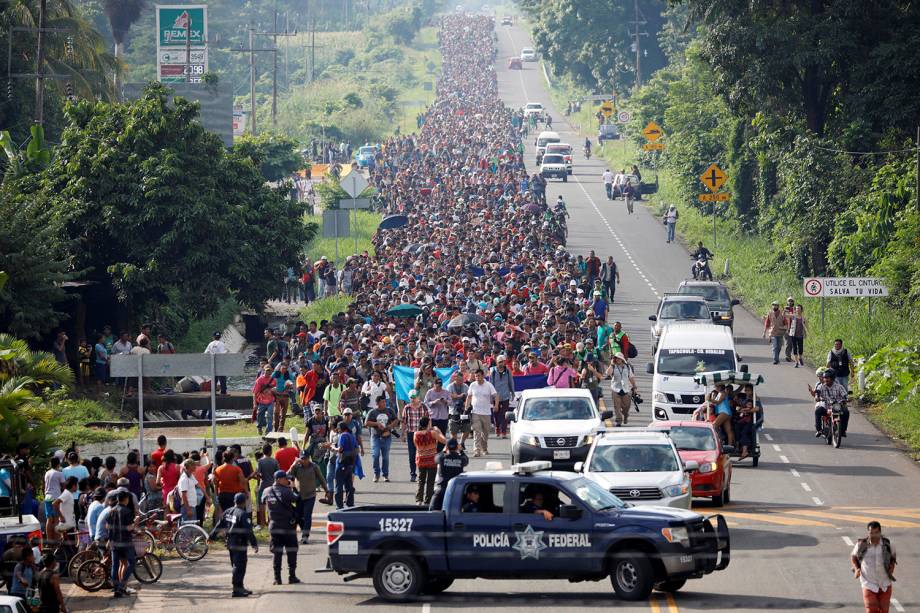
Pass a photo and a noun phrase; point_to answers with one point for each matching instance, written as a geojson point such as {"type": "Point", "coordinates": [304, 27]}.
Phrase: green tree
{"type": "Point", "coordinates": [275, 155]}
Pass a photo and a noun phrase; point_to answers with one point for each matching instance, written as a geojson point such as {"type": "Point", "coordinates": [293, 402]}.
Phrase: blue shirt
{"type": "Point", "coordinates": [102, 532]}
{"type": "Point", "coordinates": [79, 471]}
{"type": "Point", "coordinates": [92, 517]}
{"type": "Point", "coordinates": [102, 354]}
{"type": "Point", "coordinates": [347, 443]}
{"type": "Point", "coordinates": [4, 483]}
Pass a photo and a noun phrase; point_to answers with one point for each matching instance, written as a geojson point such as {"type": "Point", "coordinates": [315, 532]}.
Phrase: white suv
{"type": "Point", "coordinates": [640, 467]}
{"type": "Point", "coordinates": [528, 55]}
{"type": "Point", "coordinates": [678, 308]}
{"type": "Point", "coordinates": [554, 424]}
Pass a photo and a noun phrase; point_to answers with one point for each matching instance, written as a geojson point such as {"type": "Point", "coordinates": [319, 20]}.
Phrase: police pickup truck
{"type": "Point", "coordinates": [525, 523]}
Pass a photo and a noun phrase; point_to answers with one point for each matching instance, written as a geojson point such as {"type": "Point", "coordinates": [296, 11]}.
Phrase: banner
{"type": "Point", "coordinates": [404, 379]}
{"type": "Point", "coordinates": [529, 382]}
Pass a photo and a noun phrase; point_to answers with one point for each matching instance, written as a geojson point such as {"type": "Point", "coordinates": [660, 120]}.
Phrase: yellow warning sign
{"type": "Point", "coordinates": [713, 178]}
{"type": "Point", "coordinates": [653, 146]}
{"type": "Point", "coordinates": [607, 108]}
{"type": "Point", "coordinates": [652, 131]}
{"type": "Point", "coordinates": [719, 197]}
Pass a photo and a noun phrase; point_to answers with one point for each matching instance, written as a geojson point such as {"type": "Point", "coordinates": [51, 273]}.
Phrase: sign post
{"type": "Point", "coordinates": [843, 287]}
{"type": "Point", "coordinates": [714, 178]}
{"type": "Point", "coordinates": [652, 133]}
{"type": "Point", "coordinates": [182, 35]}
{"type": "Point", "coordinates": [354, 183]}
{"type": "Point", "coordinates": [140, 405]}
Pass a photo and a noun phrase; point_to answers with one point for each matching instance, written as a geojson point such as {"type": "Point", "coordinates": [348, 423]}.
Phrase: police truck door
{"type": "Point", "coordinates": [477, 535]}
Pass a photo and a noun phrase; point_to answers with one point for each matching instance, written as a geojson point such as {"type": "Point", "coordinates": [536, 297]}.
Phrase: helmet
{"type": "Point", "coordinates": [830, 373]}
{"type": "Point", "coordinates": [819, 373]}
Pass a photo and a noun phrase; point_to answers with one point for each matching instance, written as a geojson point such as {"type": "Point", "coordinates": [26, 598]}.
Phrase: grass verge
{"type": "Point", "coordinates": [199, 331]}
{"type": "Point", "coordinates": [319, 246]}
{"type": "Point", "coordinates": [325, 308]}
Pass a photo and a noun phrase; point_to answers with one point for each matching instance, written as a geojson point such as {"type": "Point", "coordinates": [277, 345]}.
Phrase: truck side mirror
{"type": "Point", "coordinates": [569, 511]}
{"type": "Point", "coordinates": [579, 466]}
{"type": "Point", "coordinates": [736, 302]}
{"type": "Point", "coordinates": [606, 415]}
{"type": "Point", "coordinates": [509, 416]}
{"type": "Point", "coordinates": [691, 466]}
{"type": "Point", "coordinates": [744, 367]}
{"type": "Point", "coordinates": [650, 368]}
{"type": "Point", "coordinates": [653, 318]}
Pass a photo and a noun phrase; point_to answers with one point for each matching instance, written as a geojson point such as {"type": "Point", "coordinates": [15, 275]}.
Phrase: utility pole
{"type": "Point", "coordinates": [275, 34]}
{"type": "Point", "coordinates": [188, 47]}
{"type": "Point", "coordinates": [252, 76]}
{"type": "Point", "coordinates": [637, 23]}
{"type": "Point", "coordinates": [39, 75]}
{"type": "Point", "coordinates": [918, 168]}
{"type": "Point", "coordinates": [40, 68]}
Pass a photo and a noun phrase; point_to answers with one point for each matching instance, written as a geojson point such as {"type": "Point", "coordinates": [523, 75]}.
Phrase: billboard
{"type": "Point", "coordinates": [176, 26]}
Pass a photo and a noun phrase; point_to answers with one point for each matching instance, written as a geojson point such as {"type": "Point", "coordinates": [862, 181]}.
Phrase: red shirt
{"type": "Point", "coordinates": [286, 457]}
{"type": "Point", "coordinates": [157, 457]}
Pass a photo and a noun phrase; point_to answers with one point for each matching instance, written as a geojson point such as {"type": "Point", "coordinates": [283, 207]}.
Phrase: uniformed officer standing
{"type": "Point", "coordinates": [450, 463]}
{"type": "Point", "coordinates": [282, 524]}
{"type": "Point", "coordinates": [238, 526]}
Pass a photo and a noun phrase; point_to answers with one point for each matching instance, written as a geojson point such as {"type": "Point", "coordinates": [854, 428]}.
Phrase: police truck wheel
{"type": "Point", "coordinates": [631, 575]}
{"type": "Point", "coordinates": [670, 586]}
{"type": "Point", "coordinates": [398, 577]}
{"type": "Point", "coordinates": [437, 585]}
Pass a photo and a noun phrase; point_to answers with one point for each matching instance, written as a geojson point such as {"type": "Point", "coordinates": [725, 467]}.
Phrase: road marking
{"type": "Point", "coordinates": [847, 540]}
{"type": "Point", "coordinates": [672, 606]}
{"type": "Point", "coordinates": [805, 486]}
{"type": "Point", "coordinates": [777, 447]}
{"type": "Point", "coordinates": [653, 604]}
{"type": "Point", "coordinates": [817, 501]}
{"type": "Point", "coordinates": [897, 512]}
{"type": "Point", "coordinates": [784, 459]}
{"type": "Point", "coordinates": [893, 523]}
{"type": "Point", "coordinates": [426, 608]}
{"type": "Point", "coordinates": [795, 473]}
{"type": "Point", "coordinates": [777, 519]}
{"type": "Point", "coordinates": [897, 605]}
{"type": "Point", "coordinates": [769, 437]}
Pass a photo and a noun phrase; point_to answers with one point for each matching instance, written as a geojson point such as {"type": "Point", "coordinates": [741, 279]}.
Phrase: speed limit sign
{"type": "Point", "coordinates": [623, 117]}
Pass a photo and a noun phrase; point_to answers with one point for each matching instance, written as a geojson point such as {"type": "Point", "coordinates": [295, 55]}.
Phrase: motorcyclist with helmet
{"type": "Point", "coordinates": [700, 267]}
{"type": "Point", "coordinates": [829, 393]}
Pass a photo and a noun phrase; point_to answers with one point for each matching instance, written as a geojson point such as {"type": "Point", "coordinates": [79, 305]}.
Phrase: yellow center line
{"type": "Point", "coordinates": [653, 604]}
{"type": "Point", "coordinates": [672, 606]}
{"type": "Point", "coordinates": [894, 511]}
{"type": "Point", "coordinates": [776, 519]}
{"type": "Point", "coordinates": [892, 523]}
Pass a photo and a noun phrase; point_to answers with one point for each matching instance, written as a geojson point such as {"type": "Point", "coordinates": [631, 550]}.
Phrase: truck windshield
{"type": "Point", "coordinates": [594, 495]}
{"type": "Point", "coordinates": [693, 439]}
{"type": "Point", "coordinates": [633, 459]}
{"type": "Point", "coordinates": [710, 293]}
{"type": "Point", "coordinates": [685, 310]}
{"type": "Point", "coordinates": [688, 362]}
{"type": "Point", "coordinates": [544, 409]}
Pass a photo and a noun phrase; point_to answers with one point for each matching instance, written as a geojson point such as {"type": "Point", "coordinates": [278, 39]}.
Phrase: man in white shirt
{"type": "Point", "coordinates": [188, 491]}
{"type": "Point", "coordinates": [483, 398]}
{"type": "Point", "coordinates": [873, 559]}
{"type": "Point", "coordinates": [217, 346]}
{"type": "Point", "coordinates": [608, 183]}
{"type": "Point", "coordinates": [374, 388]}
{"type": "Point", "coordinates": [64, 506]}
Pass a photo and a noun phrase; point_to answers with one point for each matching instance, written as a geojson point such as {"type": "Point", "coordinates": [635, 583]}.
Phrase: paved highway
{"type": "Point", "coordinates": [793, 519]}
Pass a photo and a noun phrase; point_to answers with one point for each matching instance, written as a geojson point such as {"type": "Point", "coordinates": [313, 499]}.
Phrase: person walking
{"type": "Point", "coordinates": [450, 463]}
{"type": "Point", "coordinates": [308, 477]}
{"type": "Point", "coordinates": [120, 528]}
{"type": "Point", "coordinates": [670, 221]}
{"type": "Point", "coordinates": [460, 421]}
{"type": "Point", "coordinates": [483, 400]}
{"type": "Point", "coordinates": [841, 361]}
{"type": "Point", "coordinates": [229, 481]}
{"type": "Point", "coordinates": [237, 525]}
{"type": "Point", "coordinates": [382, 422]}
{"type": "Point", "coordinates": [412, 413]}
{"type": "Point", "coordinates": [437, 401]}
{"type": "Point", "coordinates": [622, 386]}
{"type": "Point", "coordinates": [263, 399]}
{"type": "Point", "coordinates": [789, 310]}
{"type": "Point", "coordinates": [503, 382]}
{"type": "Point", "coordinates": [608, 183]}
{"type": "Point", "coordinates": [874, 559]}
{"type": "Point", "coordinates": [798, 329]}
{"type": "Point", "coordinates": [426, 441]}
{"type": "Point", "coordinates": [217, 346]}
{"type": "Point", "coordinates": [775, 324]}
{"type": "Point", "coordinates": [282, 525]}
{"type": "Point", "coordinates": [346, 451]}
{"type": "Point", "coordinates": [610, 277]}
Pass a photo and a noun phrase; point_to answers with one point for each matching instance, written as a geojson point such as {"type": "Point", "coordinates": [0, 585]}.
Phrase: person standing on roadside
{"type": "Point", "coordinates": [450, 463]}
{"type": "Point", "coordinates": [775, 324]}
{"type": "Point", "coordinates": [789, 310]}
{"type": "Point", "coordinates": [841, 361]}
{"type": "Point", "coordinates": [216, 347]}
{"type": "Point", "coordinates": [238, 526]}
{"type": "Point", "coordinates": [610, 277]}
{"type": "Point", "coordinates": [282, 525]}
{"type": "Point", "coordinates": [874, 559]}
{"type": "Point", "coordinates": [670, 221]}
{"type": "Point", "coordinates": [503, 382]}
{"type": "Point", "coordinates": [608, 183]}
{"type": "Point", "coordinates": [426, 441]}
{"type": "Point", "coordinates": [120, 527]}
{"type": "Point", "coordinates": [483, 400]}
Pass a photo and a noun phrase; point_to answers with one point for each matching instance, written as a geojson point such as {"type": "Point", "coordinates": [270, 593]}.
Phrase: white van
{"type": "Point", "coordinates": [543, 139]}
{"type": "Point", "coordinates": [685, 350]}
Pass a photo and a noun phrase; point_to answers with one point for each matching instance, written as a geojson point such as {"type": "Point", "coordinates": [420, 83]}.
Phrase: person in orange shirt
{"type": "Point", "coordinates": [228, 481]}
{"type": "Point", "coordinates": [306, 386]}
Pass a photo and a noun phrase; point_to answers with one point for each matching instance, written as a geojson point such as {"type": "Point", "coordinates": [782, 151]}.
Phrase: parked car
{"type": "Point", "coordinates": [678, 308]}
{"type": "Point", "coordinates": [590, 535]}
{"type": "Point", "coordinates": [528, 54]}
{"type": "Point", "coordinates": [607, 131]}
{"type": "Point", "coordinates": [555, 425]}
{"type": "Point", "coordinates": [515, 63]}
{"type": "Point", "coordinates": [716, 296]}
{"type": "Point", "coordinates": [699, 442]}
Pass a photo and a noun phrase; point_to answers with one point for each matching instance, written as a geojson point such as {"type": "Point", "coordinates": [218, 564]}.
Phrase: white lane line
{"type": "Point", "coordinates": [795, 473]}
{"type": "Point", "coordinates": [784, 459]}
{"type": "Point", "coordinates": [426, 608]}
{"type": "Point", "coordinates": [769, 437]}
{"type": "Point", "coordinates": [847, 540]}
{"type": "Point", "coordinates": [805, 486]}
{"type": "Point", "coordinates": [777, 447]}
{"type": "Point", "coordinates": [817, 501]}
{"type": "Point", "coordinates": [897, 605]}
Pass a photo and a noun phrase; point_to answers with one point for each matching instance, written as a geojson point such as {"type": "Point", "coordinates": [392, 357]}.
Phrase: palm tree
{"type": "Point", "coordinates": [122, 14]}
{"type": "Point", "coordinates": [24, 369]}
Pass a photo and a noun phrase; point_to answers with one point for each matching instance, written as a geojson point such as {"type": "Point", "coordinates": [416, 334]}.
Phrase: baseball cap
{"type": "Point", "coordinates": [347, 412]}
{"type": "Point", "coordinates": [413, 393]}
{"type": "Point", "coordinates": [239, 498]}
{"type": "Point", "coordinates": [452, 443]}
{"type": "Point", "coordinates": [280, 474]}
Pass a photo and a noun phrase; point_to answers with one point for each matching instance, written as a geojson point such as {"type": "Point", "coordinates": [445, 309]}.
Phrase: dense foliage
{"type": "Point", "coordinates": [275, 155]}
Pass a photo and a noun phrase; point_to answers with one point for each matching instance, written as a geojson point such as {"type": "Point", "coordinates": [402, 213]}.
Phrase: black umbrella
{"type": "Point", "coordinates": [466, 319]}
{"type": "Point", "coordinates": [393, 221]}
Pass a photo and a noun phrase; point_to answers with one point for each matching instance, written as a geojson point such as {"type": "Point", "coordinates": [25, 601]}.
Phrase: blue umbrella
{"type": "Point", "coordinates": [405, 310]}
{"type": "Point", "coordinates": [393, 221]}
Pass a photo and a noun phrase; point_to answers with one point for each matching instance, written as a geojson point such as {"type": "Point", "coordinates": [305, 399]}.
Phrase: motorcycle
{"type": "Point", "coordinates": [700, 269]}
{"type": "Point", "coordinates": [587, 153]}
{"type": "Point", "coordinates": [830, 423]}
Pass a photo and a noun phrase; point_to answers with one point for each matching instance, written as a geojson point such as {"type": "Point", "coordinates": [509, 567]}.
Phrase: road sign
{"type": "Point", "coordinates": [623, 117]}
{"type": "Point", "coordinates": [652, 131]}
{"type": "Point", "coordinates": [720, 197]}
{"type": "Point", "coordinates": [653, 146]}
{"type": "Point", "coordinates": [597, 98]}
{"type": "Point", "coordinates": [335, 223]}
{"type": "Point", "coordinates": [182, 37]}
{"type": "Point", "coordinates": [354, 183]}
{"type": "Point", "coordinates": [607, 108]}
{"type": "Point", "coordinates": [713, 178]}
{"type": "Point", "coordinates": [844, 287]}
{"type": "Point", "coordinates": [355, 203]}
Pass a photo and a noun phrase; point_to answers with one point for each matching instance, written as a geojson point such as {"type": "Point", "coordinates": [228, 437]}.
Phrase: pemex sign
{"type": "Point", "coordinates": [178, 26]}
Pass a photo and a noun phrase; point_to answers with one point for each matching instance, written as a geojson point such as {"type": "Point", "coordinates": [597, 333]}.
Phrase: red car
{"type": "Point", "coordinates": [515, 64]}
{"type": "Point", "coordinates": [698, 441]}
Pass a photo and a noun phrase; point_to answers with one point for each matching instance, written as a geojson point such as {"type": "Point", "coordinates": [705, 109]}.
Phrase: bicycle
{"type": "Point", "coordinates": [93, 575]}
{"type": "Point", "coordinates": [188, 539]}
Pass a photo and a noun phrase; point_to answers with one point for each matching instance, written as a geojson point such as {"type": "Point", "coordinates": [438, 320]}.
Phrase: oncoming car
{"type": "Point", "coordinates": [507, 21]}
{"type": "Point", "coordinates": [365, 155]}
{"type": "Point", "coordinates": [716, 296]}
{"type": "Point", "coordinates": [528, 54]}
{"type": "Point", "coordinates": [698, 441]}
{"type": "Point", "coordinates": [565, 150]}
{"type": "Point", "coordinates": [514, 63]}
{"type": "Point", "coordinates": [553, 165]}
{"type": "Point", "coordinates": [678, 309]}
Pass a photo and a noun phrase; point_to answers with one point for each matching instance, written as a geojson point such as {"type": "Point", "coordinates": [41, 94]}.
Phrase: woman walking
{"type": "Point", "coordinates": [798, 329]}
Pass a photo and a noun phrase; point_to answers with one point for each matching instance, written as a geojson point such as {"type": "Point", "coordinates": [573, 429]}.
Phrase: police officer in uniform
{"type": "Point", "coordinates": [238, 525]}
{"type": "Point", "coordinates": [282, 524]}
{"type": "Point", "coordinates": [450, 463]}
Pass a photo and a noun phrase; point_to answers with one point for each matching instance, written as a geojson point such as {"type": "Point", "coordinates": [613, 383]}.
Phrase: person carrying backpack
{"type": "Point", "coordinates": [874, 559]}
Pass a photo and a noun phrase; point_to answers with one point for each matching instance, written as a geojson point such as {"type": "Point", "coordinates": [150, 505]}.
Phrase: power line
{"type": "Point", "coordinates": [831, 149]}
